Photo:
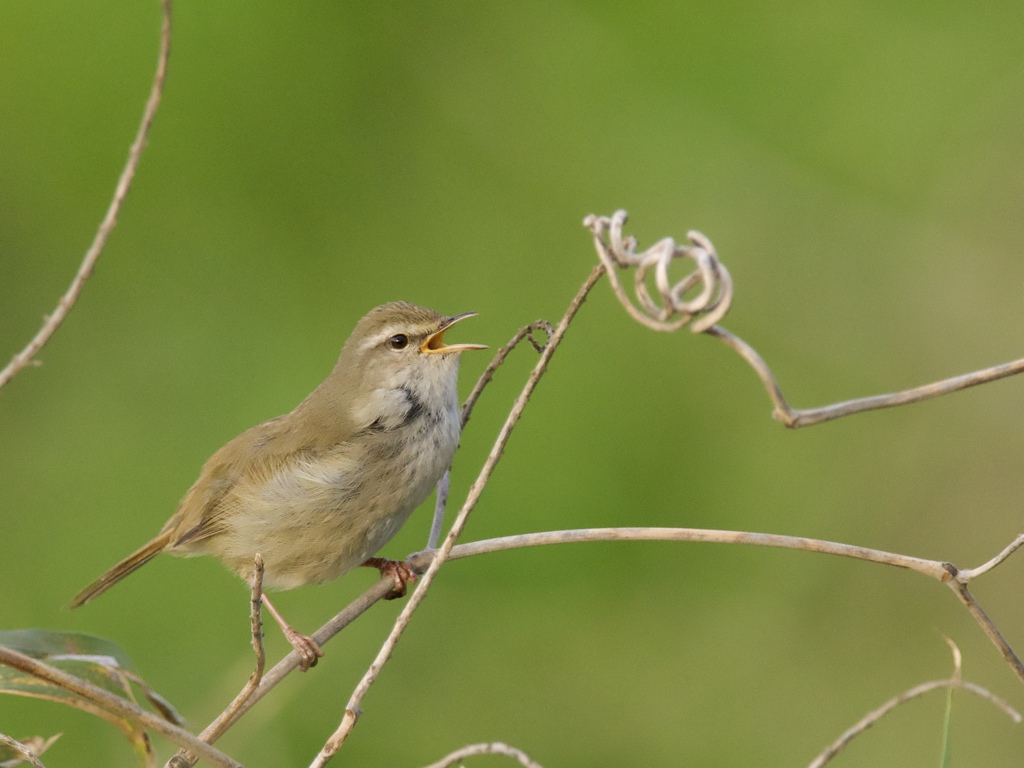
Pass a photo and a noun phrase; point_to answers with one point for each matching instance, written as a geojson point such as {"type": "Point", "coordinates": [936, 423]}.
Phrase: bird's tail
{"type": "Point", "coordinates": [135, 560]}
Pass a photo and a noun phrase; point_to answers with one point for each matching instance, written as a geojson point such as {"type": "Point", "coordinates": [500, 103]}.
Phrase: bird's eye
{"type": "Point", "coordinates": [398, 341]}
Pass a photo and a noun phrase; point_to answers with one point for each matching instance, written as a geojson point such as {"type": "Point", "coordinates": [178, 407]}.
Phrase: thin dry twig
{"type": "Point", "coordinates": [440, 504]}
{"type": "Point", "coordinates": [224, 720]}
{"type": "Point", "coordinates": [875, 715]}
{"type": "Point", "coordinates": [918, 690]}
{"type": "Point", "coordinates": [986, 624]}
{"type": "Point", "coordinates": [256, 620]}
{"type": "Point", "coordinates": [216, 729]}
{"type": "Point", "coordinates": [806, 417]}
{"type": "Point", "coordinates": [420, 561]}
{"type": "Point", "coordinates": [526, 332]}
{"type": "Point", "coordinates": [333, 744]}
{"type": "Point", "coordinates": [22, 749]}
{"type": "Point", "coordinates": [933, 568]}
{"type": "Point", "coordinates": [973, 573]}
{"type": "Point", "coordinates": [26, 357]}
{"type": "Point", "coordinates": [711, 305]}
{"type": "Point", "coordinates": [379, 591]}
{"type": "Point", "coordinates": [444, 484]}
{"type": "Point", "coordinates": [115, 704]}
{"type": "Point", "coordinates": [942, 571]}
{"type": "Point", "coordinates": [490, 748]}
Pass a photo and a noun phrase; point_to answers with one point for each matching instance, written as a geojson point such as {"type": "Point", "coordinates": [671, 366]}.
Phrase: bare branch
{"type": "Point", "coordinates": [918, 690]}
{"type": "Point", "coordinates": [940, 570]}
{"type": "Point", "coordinates": [972, 605]}
{"type": "Point", "coordinates": [440, 503]}
{"type": "Point", "coordinates": [352, 709]}
{"type": "Point", "coordinates": [223, 721]}
{"type": "Point", "coordinates": [286, 666]}
{"type": "Point", "coordinates": [115, 704]}
{"type": "Point", "coordinates": [27, 356]}
{"type": "Point", "coordinates": [972, 573]}
{"type": "Point", "coordinates": [421, 561]}
{"type": "Point", "coordinates": [22, 749]}
{"type": "Point", "coordinates": [491, 748]}
{"type": "Point", "coordinates": [256, 621]}
{"type": "Point", "coordinates": [526, 332]}
{"type": "Point", "coordinates": [713, 302]}
{"type": "Point", "coordinates": [933, 568]}
{"type": "Point", "coordinates": [441, 498]}
{"type": "Point", "coordinates": [216, 729]}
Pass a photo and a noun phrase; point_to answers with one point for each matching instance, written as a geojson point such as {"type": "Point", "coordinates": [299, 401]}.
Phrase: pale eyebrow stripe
{"type": "Point", "coordinates": [379, 338]}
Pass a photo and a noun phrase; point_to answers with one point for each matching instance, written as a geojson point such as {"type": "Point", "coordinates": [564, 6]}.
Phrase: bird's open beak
{"type": "Point", "coordinates": [434, 343]}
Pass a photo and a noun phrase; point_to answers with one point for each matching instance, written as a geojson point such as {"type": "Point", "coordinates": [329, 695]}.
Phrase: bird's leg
{"type": "Point", "coordinates": [400, 571]}
{"type": "Point", "coordinates": [309, 650]}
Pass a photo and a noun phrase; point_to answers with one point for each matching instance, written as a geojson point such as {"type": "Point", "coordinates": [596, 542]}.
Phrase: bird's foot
{"type": "Point", "coordinates": [308, 648]}
{"type": "Point", "coordinates": [400, 571]}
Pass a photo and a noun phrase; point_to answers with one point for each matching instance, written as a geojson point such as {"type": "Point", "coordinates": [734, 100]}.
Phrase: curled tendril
{"type": "Point", "coordinates": [674, 311]}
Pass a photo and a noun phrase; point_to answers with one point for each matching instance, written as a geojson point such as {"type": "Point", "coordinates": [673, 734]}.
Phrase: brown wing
{"type": "Point", "coordinates": [318, 423]}
{"type": "Point", "coordinates": [202, 509]}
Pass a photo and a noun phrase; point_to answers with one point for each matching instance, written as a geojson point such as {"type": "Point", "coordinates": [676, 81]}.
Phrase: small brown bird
{"type": "Point", "coordinates": [320, 490]}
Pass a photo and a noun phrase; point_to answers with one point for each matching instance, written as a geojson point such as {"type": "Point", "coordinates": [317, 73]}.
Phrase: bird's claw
{"type": "Point", "coordinates": [399, 570]}
{"type": "Point", "coordinates": [309, 650]}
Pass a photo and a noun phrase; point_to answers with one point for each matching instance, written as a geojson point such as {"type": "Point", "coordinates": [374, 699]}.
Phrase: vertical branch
{"type": "Point", "coordinates": [216, 729]}
{"type": "Point", "coordinates": [352, 709]}
{"type": "Point", "coordinates": [27, 356]}
{"type": "Point", "coordinates": [444, 483]}
{"type": "Point", "coordinates": [256, 620]}
{"type": "Point", "coordinates": [440, 503]}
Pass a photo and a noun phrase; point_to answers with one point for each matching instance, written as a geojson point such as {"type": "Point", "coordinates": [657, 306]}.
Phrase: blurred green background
{"type": "Point", "coordinates": [858, 166]}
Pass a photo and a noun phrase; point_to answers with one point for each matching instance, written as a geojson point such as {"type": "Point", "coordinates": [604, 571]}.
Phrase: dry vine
{"type": "Point", "coordinates": [711, 305]}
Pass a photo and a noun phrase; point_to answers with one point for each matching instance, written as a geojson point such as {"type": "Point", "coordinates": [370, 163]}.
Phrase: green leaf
{"type": "Point", "coordinates": [947, 720]}
{"type": "Point", "coordinates": [45, 644]}
{"type": "Point", "coordinates": [93, 659]}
